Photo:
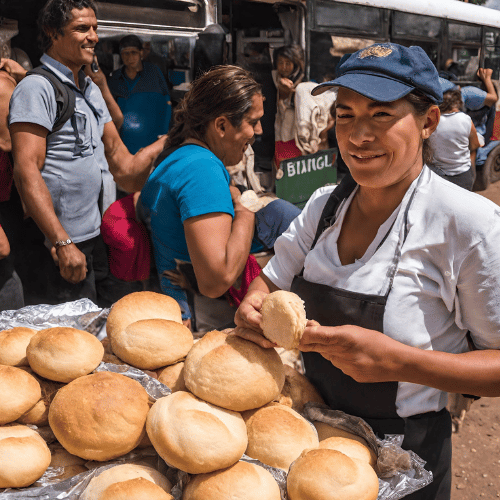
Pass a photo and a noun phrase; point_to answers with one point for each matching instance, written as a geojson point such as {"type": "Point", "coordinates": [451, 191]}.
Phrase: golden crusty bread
{"type": "Point", "coordinates": [283, 318]}
{"type": "Point", "coordinates": [233, 373]}
{"type": "Point", "coordinates": [195, 436]}
{"type": "Point", "coordinates": [351, 448]}
{"type": "Point", "coordinates": [173, 377]}
{"type": "Point", "coordinates": [242, 481]}
{"type": "Point", "coordinates": [19, 392]}
{"type": "Point", "coordinates": [138, 489]}
{"type": "Point", "coordinates": [99, 416]}
{"type": "Point", "coordinates": [325, 474]}
{"type": "Point", "coordinates": [141, 305]}
{"type": "Point", "coordinates": [13, 344]}
{"type": "Point", "coordinates": [149, 344]}
{"type": "Point", "coordinates": [39, 414]}
{"type": "Point", "coordinates": [297, 390]}
{"type": "Point", "coordinates": [99, 486]}
{"type": "Point", "coordinates": [63, 354]}
{"type": "Point", "coordinates": [277, 435]}
{"type": "Point", "coordinates": [326, 431]}
{"type": "Point", "coordinates": [24, 456]}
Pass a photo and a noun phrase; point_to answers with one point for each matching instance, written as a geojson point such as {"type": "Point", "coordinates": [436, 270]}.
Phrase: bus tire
{"type": "Point", "coordinates": [490, 172]}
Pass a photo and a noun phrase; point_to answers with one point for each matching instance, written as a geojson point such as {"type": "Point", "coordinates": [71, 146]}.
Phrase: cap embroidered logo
{"type": "Point", "coordinates": [375, 51]}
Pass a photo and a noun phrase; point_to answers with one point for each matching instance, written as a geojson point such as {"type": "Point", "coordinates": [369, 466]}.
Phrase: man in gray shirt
{"type": "Point", "coordinates": [59, 174]}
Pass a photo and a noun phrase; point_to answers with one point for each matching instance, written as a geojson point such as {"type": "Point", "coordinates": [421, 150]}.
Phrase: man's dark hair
{"type": "Point", "coordinates": [55, 15]}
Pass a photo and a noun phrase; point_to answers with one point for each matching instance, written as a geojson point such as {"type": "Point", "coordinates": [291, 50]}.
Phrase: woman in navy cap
{"type": "Point", "coordinates": [398, 268]}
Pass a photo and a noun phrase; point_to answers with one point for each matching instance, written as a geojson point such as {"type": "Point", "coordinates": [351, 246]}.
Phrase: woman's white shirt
{"type": "Point", "coordinates": [447, 280]}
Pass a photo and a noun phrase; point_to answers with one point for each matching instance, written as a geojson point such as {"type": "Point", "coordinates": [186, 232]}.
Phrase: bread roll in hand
{"type": "Point", "coordinates": [283, 318]}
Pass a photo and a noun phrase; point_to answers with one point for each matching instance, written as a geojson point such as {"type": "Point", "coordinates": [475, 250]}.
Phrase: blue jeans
{"type": "Point", "coordinates": [270, 222]}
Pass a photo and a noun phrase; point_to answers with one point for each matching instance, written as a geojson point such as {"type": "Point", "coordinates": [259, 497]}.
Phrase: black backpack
{"type": "Point", "coordinates": [65, 97]}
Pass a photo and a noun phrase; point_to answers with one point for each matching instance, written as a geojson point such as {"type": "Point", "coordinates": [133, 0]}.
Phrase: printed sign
{"type": "Point", "coordinates": [304, 174]}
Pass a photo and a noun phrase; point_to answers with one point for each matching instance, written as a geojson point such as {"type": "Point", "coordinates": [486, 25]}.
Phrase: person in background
{"type": "Point", "coordinates": [288, 72]}
{"type": "Point", "coordinates": [477, 102]}
{"type": "Point", "coordinates": [193, 213]}
{"type": "Point", "coordinates": [11, 289]}
{"type": "Point", "coordinates": [397, 267]}
{"type": "Point", "coordinates": [142, 94]}
{"type": "Point", "coordinates": [129, 249]}
{"type": "Point", "coordinates": [454, 142]}
{"type": "Point", "coordinates": [58, 173]}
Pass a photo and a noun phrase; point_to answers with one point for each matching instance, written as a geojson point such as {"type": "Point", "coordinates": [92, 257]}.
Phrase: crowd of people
{"type": "Point", "coordinates": [398, 265]}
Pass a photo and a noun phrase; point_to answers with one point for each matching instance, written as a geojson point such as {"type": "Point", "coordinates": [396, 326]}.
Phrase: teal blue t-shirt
{"type": "Point", "coordinates": [191, 181]}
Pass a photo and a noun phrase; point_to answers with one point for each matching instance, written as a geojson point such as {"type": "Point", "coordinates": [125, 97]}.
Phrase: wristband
{"type": "Point", "coordinates": [62, 243]}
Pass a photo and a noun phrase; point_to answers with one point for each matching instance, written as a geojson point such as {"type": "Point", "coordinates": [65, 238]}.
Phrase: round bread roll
{"type": "Point", "coordinates": [351, 448]}
{"type": "Point", "coordinates": [24, 456]}
{"type": "Point", "coordinates": [233, 373]}
{"type": "Point", "coordinates": [19, 392]}
{"type": "Point", "coordinates": [39, 414]}
{"type": "Point", "coordinates": [138, 489]}
{"type": "Point", "coordinates": [325, 474]}
{"type": "Point", "coordinates": [13, 344]}
{"type": "Point", "coordinates": [283, 318]}
{"type": "Point", "coordinates": [141, 305]}
{"type": "Point", "coordinates": [242, 481]}
{"type": "Point", "coordinates": [277, 435]}
{"type": "Point", "coordinates": [149, 344]}
{"type": "Point", "coordinates": [326, 431]}
{"type": "Point", "coordinates": [99, 416]}
{"type": "Point", "coordinates": [173, 377]}
{"type": "Point", "coordinates": [64, 354]}
{"type": "Point", "coordinates": [195, 436]}
{"type": "Point", "coordinates": [297, 390]}
{"type": "Point", "coordinates": [63, 458]}
{"type": "Point", "coordinates": [98, 486]}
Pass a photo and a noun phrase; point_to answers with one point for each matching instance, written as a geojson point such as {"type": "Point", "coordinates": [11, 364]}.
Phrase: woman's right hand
{"type": "Point", "coordinates": [248, 319]}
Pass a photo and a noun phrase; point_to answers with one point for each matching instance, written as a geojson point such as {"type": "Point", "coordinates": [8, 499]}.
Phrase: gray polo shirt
{"type": "Point", "coordinates": [72, 169]}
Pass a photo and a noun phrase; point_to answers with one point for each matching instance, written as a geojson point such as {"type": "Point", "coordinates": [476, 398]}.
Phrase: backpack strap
{"type": "Point", "coordinates": [65, 97]}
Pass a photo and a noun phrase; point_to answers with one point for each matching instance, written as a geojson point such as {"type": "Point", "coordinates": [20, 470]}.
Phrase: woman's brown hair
{"type": "Point", "coordinates": [452, 100]}
{"type": "Point", "coordinates": [222, 91]}
{"type": "Point", "coordinates": [421, 104]}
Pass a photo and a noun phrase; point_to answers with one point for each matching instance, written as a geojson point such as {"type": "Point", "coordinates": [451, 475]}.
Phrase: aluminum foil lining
{"type": "Point", "coordinates": [154, 387]}
{"type": "Point", "coordinates": [82, 314]}
{"type": "Point", "coordinates": [400, 472]}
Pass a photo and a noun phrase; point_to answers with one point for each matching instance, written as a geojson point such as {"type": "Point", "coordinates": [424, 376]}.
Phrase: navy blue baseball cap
{"type": "Point", "coordinates": [447, 85]}
{"type": "Point", "coordinates": [386, 72]}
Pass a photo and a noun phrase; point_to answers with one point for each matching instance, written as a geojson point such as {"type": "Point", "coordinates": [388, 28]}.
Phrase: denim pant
{"type": "Point", "coordinates": [270, 222]}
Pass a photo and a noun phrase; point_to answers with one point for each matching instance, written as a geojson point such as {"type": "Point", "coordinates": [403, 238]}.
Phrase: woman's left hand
{"type": "Point", "coordinates": [365, 355]}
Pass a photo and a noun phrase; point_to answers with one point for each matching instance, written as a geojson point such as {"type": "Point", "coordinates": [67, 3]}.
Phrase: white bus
{"type": "Point", "coordinates": [448, 30]}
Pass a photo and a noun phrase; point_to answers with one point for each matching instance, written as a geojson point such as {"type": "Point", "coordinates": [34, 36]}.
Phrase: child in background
{"type": "Point", "coordinates": [454, 142]}
{"type": "Point", "coordinates": [288, 62]}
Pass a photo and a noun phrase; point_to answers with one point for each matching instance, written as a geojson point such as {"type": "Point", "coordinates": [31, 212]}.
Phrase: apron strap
{"type": "Point", "coordinates": [339, 194]}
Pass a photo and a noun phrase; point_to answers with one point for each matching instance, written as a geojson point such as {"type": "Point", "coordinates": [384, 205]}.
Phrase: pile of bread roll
{"type": "Point", "coordinates": [229, 397]}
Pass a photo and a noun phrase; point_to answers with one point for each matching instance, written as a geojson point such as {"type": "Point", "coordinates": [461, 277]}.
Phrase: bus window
{"type": "Point", "coordinates": [467, 59]}
{"type": "Point", "coordinates": [415, 26]}
{"type": "Point", "coordinates": [338, 17]}
{"type": "Point", "coordinates": [464, 33]}
{"type": "Point", "coordinates": [492, 51]}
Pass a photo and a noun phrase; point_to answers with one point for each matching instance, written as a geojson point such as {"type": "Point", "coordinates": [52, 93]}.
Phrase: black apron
{"type": "Point", "coordinates": [428, 435]}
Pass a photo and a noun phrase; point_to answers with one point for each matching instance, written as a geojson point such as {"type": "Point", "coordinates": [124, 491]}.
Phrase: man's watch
{"type": "Point", "coordinates": [62, 243]}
